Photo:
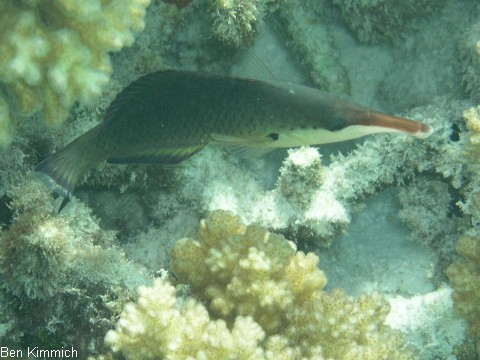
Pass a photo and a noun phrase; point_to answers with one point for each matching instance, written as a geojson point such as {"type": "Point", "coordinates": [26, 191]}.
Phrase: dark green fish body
{"type": "Point", "coordinates": [167, 116]}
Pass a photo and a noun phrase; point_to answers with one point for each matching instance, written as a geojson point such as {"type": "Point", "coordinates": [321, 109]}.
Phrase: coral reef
{"type": "Point", "coordinates": [155, 327]}
{"type": "Point", "coordinates": [464, 277]}
{"type": "Point", "coordinates": [300, 175]}
{"type": "Point", "coordinates": [226, 185]}
{"type": "Point", "coordinates": [239, 290]}
{"type": "Point", "coordinates": [470, 204]}
{"type": "Point", "coordinates": [258, 273]}
{"type": "Point", "coordinates": [464, 274]}
{"type": "Point", "coordinates": [423, 203]}
{"type": "Point", "coordinates": [428, 322]}
{"type": "Point", "coordinates": [428, 208]}
{"type": "Point", "coordinates": [383, 20]}
{"type": "Point", "coordinates": [311, 207]}
{"type": "Point", "coordinates": [267, 299]}
{"type": "Point", "coordinates": [56, 52]}
{"type": "Point", "coordinates": [61, 275]}
{"type": "Point", "coordinates": [235, 22]}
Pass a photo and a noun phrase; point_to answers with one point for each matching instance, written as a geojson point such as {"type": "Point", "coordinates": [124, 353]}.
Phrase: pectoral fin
{"type": "Point", "coordinates": [244, 147]}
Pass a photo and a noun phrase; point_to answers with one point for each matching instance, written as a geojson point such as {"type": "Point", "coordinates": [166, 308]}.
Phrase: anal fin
{"type": "Point", "coordinates": [165, 156]}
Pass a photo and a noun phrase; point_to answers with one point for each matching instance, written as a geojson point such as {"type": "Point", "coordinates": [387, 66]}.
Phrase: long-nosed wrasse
{"type": "Point", "coordinates": [167, 116]}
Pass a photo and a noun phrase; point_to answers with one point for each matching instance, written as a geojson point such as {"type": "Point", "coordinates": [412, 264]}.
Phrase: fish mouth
{"type": "Point", "coordinates": [395, 124]}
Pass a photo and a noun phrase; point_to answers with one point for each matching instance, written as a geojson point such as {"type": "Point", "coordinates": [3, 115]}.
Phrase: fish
{"type": "Point", "coordinates": [167, 116]}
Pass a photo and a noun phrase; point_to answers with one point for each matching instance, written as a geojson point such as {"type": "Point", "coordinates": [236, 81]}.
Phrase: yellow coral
{"type": "Point", "coordinates": [248, 271]}
{"type": "Point", "coordinates": [267, 299]}
{"type": "Point", "coordinates": [56, 52]}
{"type": "Point", "coordinates": [464, 277]}
{"type": "Point", "coordinates": [159, 327]}
{"type": "Point", "coordinates": [245, 271]}
{"type": "Point", "coordinates": [472, 118]}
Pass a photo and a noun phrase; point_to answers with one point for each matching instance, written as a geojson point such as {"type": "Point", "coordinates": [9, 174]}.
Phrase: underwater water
{"type": "Point", "coordinates": [362, 249]}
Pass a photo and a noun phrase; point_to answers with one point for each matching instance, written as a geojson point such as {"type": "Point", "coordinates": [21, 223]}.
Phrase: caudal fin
{"type": "Point", "coordinates": [62, 170]}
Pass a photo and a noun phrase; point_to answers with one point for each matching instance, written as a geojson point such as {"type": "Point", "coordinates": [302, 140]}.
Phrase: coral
{"type": "Point", "coordinates": [472, 120]}
{"type": "Point", "coordinates": [425, 208]}
{"type": "Point", "coordinates": [161, 325]}
{"type": "Point", "coordinates": [309, 35]}
{"type": "Point", "coordinates": [66, 266]}
{"type": "Point", "coordinates": [464, 274]}
{"type": "Point", "coordinates": [235, 22]}
{"type": "Point", "coordinates": [464, 277]}
{"type": "Point", "coordinates": [245, 272]}
{"type": "Point", "coordinates": [36, 242]}
{"type": "Point", "coordinates": [429, 323]}
{"type": "Point", "coordinates": [471, 204]}
{"type": "Point", "coordinates": [312, 208]}
{"type": "Point", "coordinates": [383, 20]}
{"type": "Point", "coordinates": [262, 285]}
{"type": "Point", "coordinates": [227, 185]}
{"type": "Point", "coordinates": [157, 326]}
{"type": "Point", "coordinates": [55, 53]}
{"type": "Point", "coordinates": [300, 175]}
{"type": "Point", "coordinates": [428, 208]}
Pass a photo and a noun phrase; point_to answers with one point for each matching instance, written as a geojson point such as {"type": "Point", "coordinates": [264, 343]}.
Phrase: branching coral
{"type": "Point", "coordinates": [262, 285]}
{"type": "Point", "coordinates": [268, 299]}
{"type": "Point", "coordinates": [56, 52]}
{"type": "Point", "coordinates": [157, 327]}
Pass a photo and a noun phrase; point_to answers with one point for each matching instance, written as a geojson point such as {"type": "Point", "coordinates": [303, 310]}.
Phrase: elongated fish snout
{"type": "Point", "coordinates": [391, 123]}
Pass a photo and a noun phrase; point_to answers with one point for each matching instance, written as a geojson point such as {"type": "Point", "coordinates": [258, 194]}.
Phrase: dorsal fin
{"type": "Point", "coordinates": [251, 66]}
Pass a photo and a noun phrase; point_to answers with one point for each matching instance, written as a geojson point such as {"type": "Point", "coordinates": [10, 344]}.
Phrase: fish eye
{"type": "Point", "coordinates": [336, 123]}
{"type": "Point", "coordinates": [273, 136]}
